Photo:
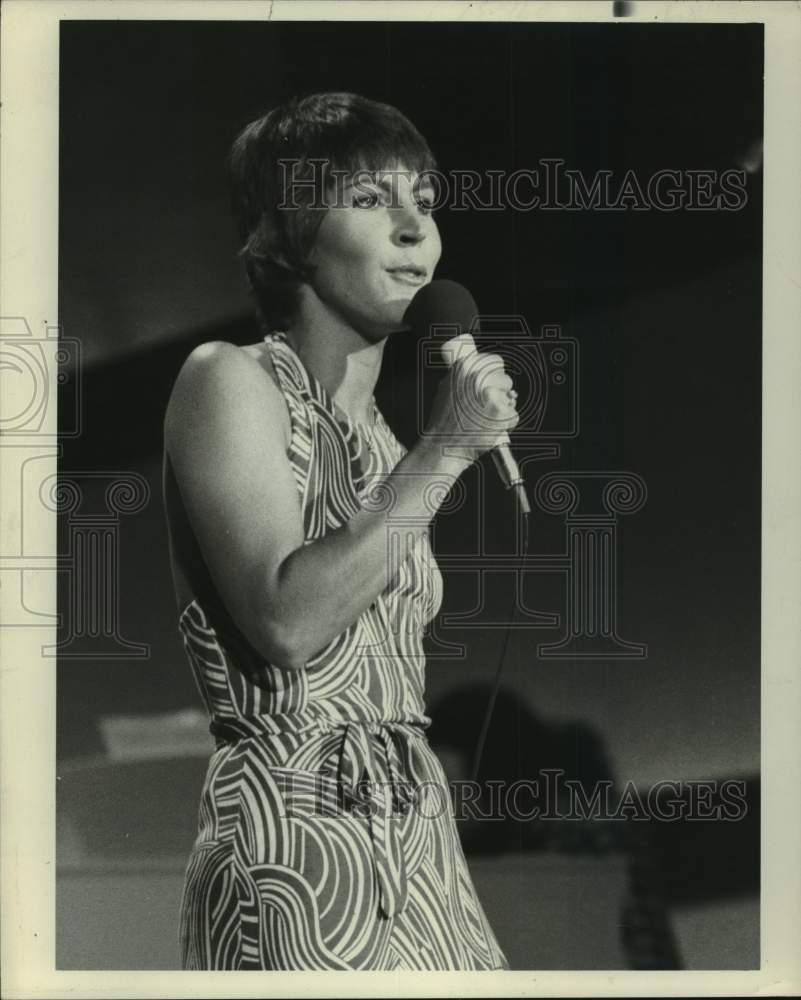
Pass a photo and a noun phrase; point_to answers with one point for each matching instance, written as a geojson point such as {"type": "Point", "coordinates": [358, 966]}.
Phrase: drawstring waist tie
{"type": "Point", "coordinates": [383, 795]}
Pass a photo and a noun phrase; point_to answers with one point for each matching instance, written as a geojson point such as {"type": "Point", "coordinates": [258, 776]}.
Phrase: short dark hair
{"type": "Point", "coordinates": [350, 133]}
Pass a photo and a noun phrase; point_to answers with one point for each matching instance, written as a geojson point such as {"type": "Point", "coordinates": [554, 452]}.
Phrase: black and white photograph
{"type": "Point", "coordinates": [392, 498]}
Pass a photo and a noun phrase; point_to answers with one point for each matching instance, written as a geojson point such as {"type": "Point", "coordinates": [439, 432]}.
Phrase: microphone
{"type": "Point", "coordinates": [447, 303]}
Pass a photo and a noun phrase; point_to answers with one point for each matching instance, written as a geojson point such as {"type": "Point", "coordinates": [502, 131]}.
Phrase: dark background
{"type": "Point", "coordinates": [666, 308]}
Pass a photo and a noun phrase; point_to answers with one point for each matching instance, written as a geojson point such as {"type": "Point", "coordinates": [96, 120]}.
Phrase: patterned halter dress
{"type": "Point", "coordinates": [326, 837]}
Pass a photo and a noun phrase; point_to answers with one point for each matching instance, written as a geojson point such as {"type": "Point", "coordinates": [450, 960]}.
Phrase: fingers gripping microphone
{"type": "Point", "coordinates": [447, 303]}
{"type": "Point", "coordinates": [457, 349]}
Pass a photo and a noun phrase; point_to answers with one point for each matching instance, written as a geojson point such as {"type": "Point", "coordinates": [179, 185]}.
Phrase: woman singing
{"type": "Point", "coordinates": [320, 844]}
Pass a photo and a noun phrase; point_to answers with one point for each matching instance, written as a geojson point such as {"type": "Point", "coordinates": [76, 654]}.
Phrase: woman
{"type": "Point", "coordinates": [299, 543]}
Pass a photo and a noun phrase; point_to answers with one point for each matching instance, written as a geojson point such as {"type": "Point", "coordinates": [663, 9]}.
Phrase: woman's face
{"type": "Point", "coordinates": [376, 246]}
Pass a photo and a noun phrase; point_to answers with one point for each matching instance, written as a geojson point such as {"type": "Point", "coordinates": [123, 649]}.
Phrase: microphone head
{"type": "Point", "coordinates": [440, 303]}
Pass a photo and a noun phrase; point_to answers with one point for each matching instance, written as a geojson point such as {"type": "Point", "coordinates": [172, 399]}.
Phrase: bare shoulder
{"type": "Point", "coordinates": [219, 364]}
{"type": "Point", "coordinates": [221, 380]}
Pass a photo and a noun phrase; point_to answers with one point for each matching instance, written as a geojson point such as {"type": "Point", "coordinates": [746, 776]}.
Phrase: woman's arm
{"type": "Point", "coordinates": [225, 434]}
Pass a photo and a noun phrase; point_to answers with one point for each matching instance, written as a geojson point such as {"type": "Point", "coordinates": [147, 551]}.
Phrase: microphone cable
{"type": "Point", "coordinates": [496, 684]}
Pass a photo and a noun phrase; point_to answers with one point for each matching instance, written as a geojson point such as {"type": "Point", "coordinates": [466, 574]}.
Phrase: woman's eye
{"type": "Point", "coordinates": [367, 200]}
{"type": "Point", "coordinates": [426, 207]}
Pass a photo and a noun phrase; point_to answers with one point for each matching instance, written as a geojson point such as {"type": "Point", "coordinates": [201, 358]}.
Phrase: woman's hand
{"type": "Point", "coordinates": [474, 406]}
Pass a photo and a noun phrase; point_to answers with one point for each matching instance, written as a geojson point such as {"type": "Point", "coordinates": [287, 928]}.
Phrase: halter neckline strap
{"type": "Point", "coordinates": [359, 426]}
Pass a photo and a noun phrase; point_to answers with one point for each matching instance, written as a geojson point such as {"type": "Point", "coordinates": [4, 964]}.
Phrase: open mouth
{"type": "Point", "coordinates": [408, 274]}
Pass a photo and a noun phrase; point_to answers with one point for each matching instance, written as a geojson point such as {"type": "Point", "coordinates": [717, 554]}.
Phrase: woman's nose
{"type": "Point", "coordinates": [408, 229]}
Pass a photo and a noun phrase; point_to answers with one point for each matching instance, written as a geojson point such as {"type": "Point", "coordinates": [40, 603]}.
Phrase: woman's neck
{"type": "Point", "coordinates": [340, 358]}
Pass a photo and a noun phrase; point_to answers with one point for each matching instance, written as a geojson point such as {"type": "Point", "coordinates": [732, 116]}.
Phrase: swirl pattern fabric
{"type": "Point", "coordinates": [326, 838]}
